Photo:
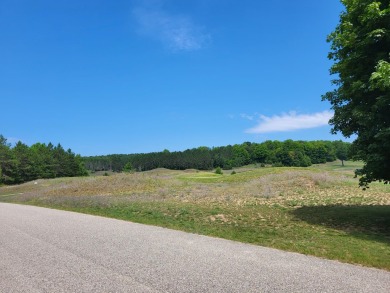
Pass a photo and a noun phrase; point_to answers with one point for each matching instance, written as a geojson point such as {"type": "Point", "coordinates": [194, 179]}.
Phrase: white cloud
{"type": "Point", "coordinates": [290, 122]}
{"type": "Point", "coordinates": [177, 32]}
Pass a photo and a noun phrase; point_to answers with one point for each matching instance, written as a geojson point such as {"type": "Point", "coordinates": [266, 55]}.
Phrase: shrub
{"type": "Point", "coordinates": [218, 171]}
{"type": "Point", "coordinates": [128, 168]}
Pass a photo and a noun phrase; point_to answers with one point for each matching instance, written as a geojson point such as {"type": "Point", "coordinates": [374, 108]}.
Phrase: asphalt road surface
{"type": "Point", "coordinates": [45, 250]}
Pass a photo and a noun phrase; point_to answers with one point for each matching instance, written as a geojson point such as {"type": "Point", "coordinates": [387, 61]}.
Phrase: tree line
{"type": "Point", "coordinates": [275, 153]}
{"type": "Point", "coordinates": [22, 163]}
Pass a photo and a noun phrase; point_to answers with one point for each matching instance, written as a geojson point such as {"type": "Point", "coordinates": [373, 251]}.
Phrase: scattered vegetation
{"type": "Point", "coordinates": [318, 210]}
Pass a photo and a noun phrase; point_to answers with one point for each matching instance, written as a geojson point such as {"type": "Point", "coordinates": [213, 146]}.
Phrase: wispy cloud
{"type": "Point", "coordinates": [248, 117]}
{"type": "Point", "coordinates": [177, 32]}
{"type": "Point", "coordinates": [290, 122]}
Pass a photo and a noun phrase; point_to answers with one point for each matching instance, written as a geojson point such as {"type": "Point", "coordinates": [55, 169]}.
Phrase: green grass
{"type": "Point", "coordinates": [317, 211]}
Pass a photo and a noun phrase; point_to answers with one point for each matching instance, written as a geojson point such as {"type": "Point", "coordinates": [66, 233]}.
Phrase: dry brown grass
{"type": "Point", "coordinates": [286, 187]}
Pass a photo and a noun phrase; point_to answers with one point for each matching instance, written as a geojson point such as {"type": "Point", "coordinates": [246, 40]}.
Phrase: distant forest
{"type": "Point", "coordinates": [22, 163]}
{"type": "Point", "coordinates": [275, 153]}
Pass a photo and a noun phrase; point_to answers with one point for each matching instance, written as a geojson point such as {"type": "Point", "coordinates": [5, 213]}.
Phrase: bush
{"type": "Point", "coordinates": [128, 168]}
{"type": "Point", "coordinates": [233, 172]}
{"type": "Point", "coordinates": [218, 171]}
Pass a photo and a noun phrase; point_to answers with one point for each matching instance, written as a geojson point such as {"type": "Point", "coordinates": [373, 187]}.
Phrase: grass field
{"type": "Point", "coordinates": [318, 210]}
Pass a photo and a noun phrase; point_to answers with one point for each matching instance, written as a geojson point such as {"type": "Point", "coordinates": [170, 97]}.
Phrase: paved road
{"type": "Point", "coordinates": [44, 250]}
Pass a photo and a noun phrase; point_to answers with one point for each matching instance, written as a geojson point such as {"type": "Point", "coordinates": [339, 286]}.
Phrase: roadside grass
{"type": "Point", "coordinates": [318, 211]}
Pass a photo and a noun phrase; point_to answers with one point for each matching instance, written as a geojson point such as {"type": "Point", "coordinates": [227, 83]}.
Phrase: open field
{"type": "Point", "coordinates": [318, 210]}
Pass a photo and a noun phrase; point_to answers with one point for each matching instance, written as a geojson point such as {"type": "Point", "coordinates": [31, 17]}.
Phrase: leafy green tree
{"type": "Point", "coordinates": [25, 165]}
{"type": "Point", "coordinates": [43, 160]}
{"type": "Point", "coordinates": [292, 158]}
{"type": "Point", "coordinates": [8, 163]}
{"type": "Point", "coordinates": [316, 151]}
{"type": "Point", "coordinates": [330, 151]}
{"type": "Point", "coordinates": [259, 153]}
{"type": "Point", "coordinates": [360, 47]}
{"type": "Point", "coordinates": [241, 156]}
{"type": "Point", "coordinates": [342, 150]}
{"type": "Point", "coordinates": [4, 149]}
{"type": "Point", "coordinates": [128, 167]}
{"type": "Point", "coordinates": [59, 155]}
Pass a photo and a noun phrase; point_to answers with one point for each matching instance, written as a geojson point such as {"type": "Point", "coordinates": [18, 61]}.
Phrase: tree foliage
{"type": "Point", "coordinates": [128, 167]}
{"type": "Point", "coordinates": [342, 151]}
{"type": "Point", "coordinates": [22, 163]}
{"type": "Point", "coordinates": [360, 48]}
{"type": "Point", "coordinates": [277, 153]}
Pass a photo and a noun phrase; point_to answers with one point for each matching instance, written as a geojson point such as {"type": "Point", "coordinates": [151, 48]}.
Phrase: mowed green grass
{"type": "Point", "coordinates": [318, 210]}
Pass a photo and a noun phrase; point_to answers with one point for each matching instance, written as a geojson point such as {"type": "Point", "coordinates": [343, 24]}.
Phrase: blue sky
{"type": "Point", "coordinates": [104, 77]}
